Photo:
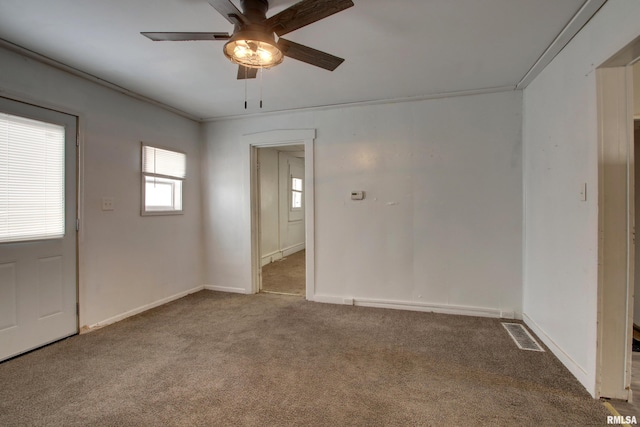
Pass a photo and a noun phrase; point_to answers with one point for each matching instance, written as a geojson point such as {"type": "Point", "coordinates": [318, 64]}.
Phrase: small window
{"type": "Point", "coordinates": [163, 173]}
{"type": "Point", "coordinates": [296, 193]}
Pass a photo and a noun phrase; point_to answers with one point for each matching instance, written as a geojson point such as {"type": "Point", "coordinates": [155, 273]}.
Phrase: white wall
{"type": "Point", "coordinates": [127, 262]}
{"type": "Point", "coordinates": [441, 224]}
{"type": "Point", "coordinates": [560, 151]}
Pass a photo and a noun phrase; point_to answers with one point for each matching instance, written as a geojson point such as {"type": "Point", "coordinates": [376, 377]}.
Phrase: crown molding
{"type": "Point", "coordinates": [90, 77]}
{"type": "Point", "coordinates": [579, 20]}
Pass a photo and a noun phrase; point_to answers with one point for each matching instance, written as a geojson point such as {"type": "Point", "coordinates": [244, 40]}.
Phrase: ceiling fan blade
{"type": "Point", "coordinates": [309, 55]}
{"type": "Point", "coordinates": [246, 72]}
{"type": "Point", "coordinates": [304, 13]}
{"type": "Point", "coordinates": [180, 37]}
{"type": "Point", "coordinates": [229, 11]}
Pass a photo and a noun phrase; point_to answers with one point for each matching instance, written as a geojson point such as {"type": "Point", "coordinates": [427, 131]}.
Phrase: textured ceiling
{"type": "Point", "coordinates": [393, 49]}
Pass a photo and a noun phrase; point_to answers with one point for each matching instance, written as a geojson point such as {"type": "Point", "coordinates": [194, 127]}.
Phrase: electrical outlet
{"type": "Point", "coordinates": [107, 204]}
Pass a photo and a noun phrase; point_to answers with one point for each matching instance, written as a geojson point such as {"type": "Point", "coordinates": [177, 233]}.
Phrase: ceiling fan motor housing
{"type": "Point", "coordinates": [255, 10]}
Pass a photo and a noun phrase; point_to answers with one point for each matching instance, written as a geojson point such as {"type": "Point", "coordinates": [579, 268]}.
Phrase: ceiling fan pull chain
{"type": "Point", "coordinates": [261, 71]}
{"type": "Point", "coordinates": [245, 87]}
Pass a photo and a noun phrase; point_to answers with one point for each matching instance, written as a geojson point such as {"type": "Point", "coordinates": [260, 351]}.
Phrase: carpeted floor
{"type": "Point", "coordinates": [286, 275]}
{"type": "Point", "coordinates": [214, 359]}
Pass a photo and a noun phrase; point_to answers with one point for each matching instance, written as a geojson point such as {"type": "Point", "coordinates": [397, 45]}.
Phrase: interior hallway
{"type": "Point", "coordinates": [285, 276]}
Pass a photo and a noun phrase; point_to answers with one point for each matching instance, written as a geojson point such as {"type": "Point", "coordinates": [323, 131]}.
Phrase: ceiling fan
{"type": "Point", "coordinates": [253, 44]}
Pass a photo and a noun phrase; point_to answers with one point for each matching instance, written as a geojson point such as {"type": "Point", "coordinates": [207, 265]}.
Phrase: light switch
{"type": "Point", "coordinates": [583, 192]}
{"type": "Point", "coordinates": [107, 204]}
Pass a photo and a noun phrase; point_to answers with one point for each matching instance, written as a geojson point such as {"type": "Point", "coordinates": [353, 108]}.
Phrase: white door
{"type": "Point", "coordinates": [38, 279]}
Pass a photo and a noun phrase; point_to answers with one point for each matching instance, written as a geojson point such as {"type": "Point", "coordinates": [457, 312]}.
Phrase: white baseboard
{"type": "Point", "coordinates": [225, 289]}
{"type": "Point", "coordinates": [293, 249]}
{"type": "Point", "coordinates": [330, 299]}
{"type": "Point", "coordinates": [119, 317]}
{"type": "Point", "coordinates": [428, 307]}
{"type": "Point", "coordinates": [578, 371]}
{"type": "Point", "coordinates": [269, 258]}
{"type": "Point", "coordinates": [413, 306]}
{"type": "Point", "coordinates": [276, 255]}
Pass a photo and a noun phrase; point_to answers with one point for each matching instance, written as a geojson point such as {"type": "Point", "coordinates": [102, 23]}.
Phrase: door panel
{"type": "Point", "coordinates": [38, 279]}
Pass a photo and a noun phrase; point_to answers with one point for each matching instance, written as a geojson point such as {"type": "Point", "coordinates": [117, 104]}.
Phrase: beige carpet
{"type": "Point", "coordinates": [214, 359]}
{"type": "Point", "coordinates": [286, 275]}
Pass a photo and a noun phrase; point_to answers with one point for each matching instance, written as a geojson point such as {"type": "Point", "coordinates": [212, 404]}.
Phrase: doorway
{"type": "Point", "coordinates": [38, 240]}
{"type": "Point", "coordinates": [631, 364]}
{"type": "Point", "coordinates": [284, 141]}
{"type": "Point", "coordinates": [282, 226]}
{"type": "Point", "coordinates": [616, 222]}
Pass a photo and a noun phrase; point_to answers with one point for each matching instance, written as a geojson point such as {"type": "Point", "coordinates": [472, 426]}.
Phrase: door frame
{"type": "Point", "coordinates": [274, 139]}
{"type": "Point", "coordinates": [80, 135]}
{"type": "Point", "coordinates": [616, 225]}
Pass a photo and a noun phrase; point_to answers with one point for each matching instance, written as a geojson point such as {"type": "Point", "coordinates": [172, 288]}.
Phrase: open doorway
{"type": "Point", "coordinates": [282, 140]}
{"type": "Point", "coordinates": [617, 198]}
{"type": "Point", "coordinates": [636, 147]}
{"type": "Point", "coordinates": [281, 176]}
{"type": "Point", "coordinates": [632, 406]}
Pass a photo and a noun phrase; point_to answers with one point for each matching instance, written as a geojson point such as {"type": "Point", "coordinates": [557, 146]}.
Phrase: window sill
{"type": "Point", "coordinates": [160, 213]}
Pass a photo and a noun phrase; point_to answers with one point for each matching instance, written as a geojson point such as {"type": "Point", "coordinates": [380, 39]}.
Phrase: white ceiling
{"type": "Point", "coordinates": [393, 49]}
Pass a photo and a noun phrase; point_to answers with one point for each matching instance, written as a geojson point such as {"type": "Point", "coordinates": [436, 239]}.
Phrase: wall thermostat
{"type": "Point", "coordinates": [357, 195]}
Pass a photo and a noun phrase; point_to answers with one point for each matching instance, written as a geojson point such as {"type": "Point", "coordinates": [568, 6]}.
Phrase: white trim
{"type": "Point", "coordinates": [440, 95]}
{"type": "Point", "coordinates": [271, 257]}
{"type": "Point", "coordinates": [574, 367]}
{"type": "Point", "coordinates": [615, 233]}
{"type": "Point", "coordinates": [276, 255]}
{"type": "Point", "coordinates": [331, 299]}
{"type": "Point", "coordinates": [628, 56]}
{"type": "Point", "coordinates": [122, 316]}
{"type": "Point", "coordinates": [579, 20]}
{"type": "Point", "coordinates": [411, 306]}
{"type": "Point", "coordinates": [293, 249]}
{"type": "Point", "coordinates": [225, 289]}
{"type": "Point", "coordinates": [427, 307]}
{"type": "Point", "coordinates": [280, 137]}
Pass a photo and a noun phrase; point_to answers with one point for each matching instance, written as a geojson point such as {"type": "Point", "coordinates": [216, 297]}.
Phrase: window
{"type": "Point", "coordinates": [163, 172]}
{"type": "Point", "coordinates": [32, 203]}
{"type": "Point", "coordinates": [296, 193]}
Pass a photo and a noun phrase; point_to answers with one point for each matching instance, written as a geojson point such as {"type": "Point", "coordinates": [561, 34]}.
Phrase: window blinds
{"type": "Point", "coordinates": [32, 192]}
{"type": "Point", "coordinates": [159, 162]}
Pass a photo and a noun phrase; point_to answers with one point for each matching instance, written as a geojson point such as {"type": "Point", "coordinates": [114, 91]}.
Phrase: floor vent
{"type": "Point", "coordinates": [522, 337]}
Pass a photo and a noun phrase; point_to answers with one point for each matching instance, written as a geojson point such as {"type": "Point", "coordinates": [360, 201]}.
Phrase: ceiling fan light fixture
{"type": "Point", "coordinates": [253, 50]}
